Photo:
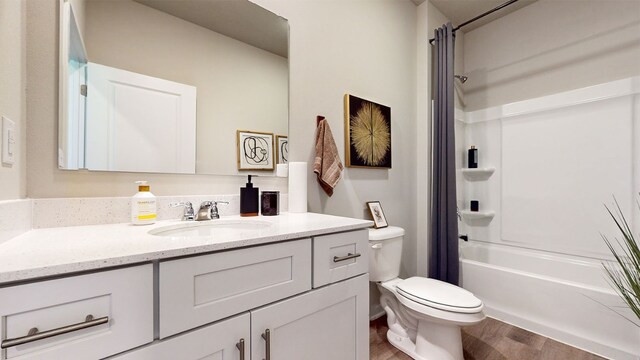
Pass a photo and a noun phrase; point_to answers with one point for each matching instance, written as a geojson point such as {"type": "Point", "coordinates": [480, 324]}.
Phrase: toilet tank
{"type": "Point", "coordinates": [385, 253]}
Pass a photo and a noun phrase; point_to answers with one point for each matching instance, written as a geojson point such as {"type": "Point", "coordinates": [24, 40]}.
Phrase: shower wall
{"type": "Point", "coordinates": [557, 160]}
{"type": "Point", "coordinates": [551, 103]}
{"type": "Point", "coordinates": [551, 46]}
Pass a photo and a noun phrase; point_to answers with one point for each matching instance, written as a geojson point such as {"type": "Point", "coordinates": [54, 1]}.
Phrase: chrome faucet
{"type": "Point", "coordinates": [189, 214]}
{"type": "Point", "coordinates": [209, 210]}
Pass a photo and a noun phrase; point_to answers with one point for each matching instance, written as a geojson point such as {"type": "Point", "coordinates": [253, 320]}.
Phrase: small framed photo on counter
{"type": "Point", "coordinates": [379, 220]}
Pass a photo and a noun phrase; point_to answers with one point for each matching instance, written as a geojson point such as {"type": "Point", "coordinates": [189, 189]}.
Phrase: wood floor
{"type": "Point", "coordinates": [489, 340]}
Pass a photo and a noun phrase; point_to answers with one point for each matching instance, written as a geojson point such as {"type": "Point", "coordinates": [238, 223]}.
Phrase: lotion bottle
{"type": "Point", "coordinates": [143, 205]}
{"type": "Point", "coordinates": [249, 199]}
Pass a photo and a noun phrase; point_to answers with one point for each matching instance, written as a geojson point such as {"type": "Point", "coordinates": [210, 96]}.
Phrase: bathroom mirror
{"type": "Point", "coordinates": [165, 86]}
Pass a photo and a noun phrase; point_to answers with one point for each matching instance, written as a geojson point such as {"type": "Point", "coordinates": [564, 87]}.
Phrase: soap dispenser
{"type": "Point", "coordinates": [249, 199]}
{"type": "Point", "coordinates": [143, 205]}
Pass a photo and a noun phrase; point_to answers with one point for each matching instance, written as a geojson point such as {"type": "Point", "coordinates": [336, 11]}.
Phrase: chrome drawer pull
{"type": "Point", "coordinates": [34, 335]}
{"type": "Point", "coordinates": [343, 258]}
{"type": "Point", "coordinates": [267, 339]}
{"type": "Point", "coordinates": [240, 346]}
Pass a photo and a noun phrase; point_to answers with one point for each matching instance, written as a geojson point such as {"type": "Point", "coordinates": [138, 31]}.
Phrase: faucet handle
{"type": "Point", "coordinates": [213, 206]}
{"type": "Point", "coordinates": [205, 204]}
{"type": "Point", "coordinates": [188, 214]}
{"type": "Point", "coordinates": [214, 209]}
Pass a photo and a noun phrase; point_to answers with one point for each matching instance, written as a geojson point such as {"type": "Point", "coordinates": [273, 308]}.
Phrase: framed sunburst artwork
{"type": "Point", "coordinates": [367, 133]}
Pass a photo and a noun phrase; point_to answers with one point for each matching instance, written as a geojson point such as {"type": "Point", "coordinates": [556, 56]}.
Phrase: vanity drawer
{"type": "Point", "coordinates": [198, 290]}
{"type": "Point", "coordinates": [340, 256]}
{"type": "Point", "coordinates": [119, 300]}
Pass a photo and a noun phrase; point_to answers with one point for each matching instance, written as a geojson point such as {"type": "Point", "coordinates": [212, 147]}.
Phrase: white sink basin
{"type": "Point", "coordinates": [214, 228]}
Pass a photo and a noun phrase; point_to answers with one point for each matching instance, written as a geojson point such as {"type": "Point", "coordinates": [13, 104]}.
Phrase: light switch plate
{"type": "Point", "coordinates": [9, 141]}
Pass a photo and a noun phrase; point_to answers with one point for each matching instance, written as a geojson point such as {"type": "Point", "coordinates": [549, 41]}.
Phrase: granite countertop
{"type": "Point", "coordinates": [56, 251]}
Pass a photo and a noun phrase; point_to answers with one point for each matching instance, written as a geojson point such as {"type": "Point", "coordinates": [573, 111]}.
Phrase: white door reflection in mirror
{"type": "Point", "coordinates": [139, 123]}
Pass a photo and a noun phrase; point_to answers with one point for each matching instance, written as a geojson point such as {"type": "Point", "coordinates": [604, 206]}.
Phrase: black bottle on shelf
{"type": "Point", "coordinates": [473, 157]}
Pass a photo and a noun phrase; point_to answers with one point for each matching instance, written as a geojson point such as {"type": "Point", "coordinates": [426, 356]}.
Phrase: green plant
{"type": "Point", "coordinates": [625, 275]}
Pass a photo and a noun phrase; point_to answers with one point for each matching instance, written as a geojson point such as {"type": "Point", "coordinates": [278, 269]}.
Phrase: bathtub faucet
{"type": "Point", "coordinates": [464, 237]}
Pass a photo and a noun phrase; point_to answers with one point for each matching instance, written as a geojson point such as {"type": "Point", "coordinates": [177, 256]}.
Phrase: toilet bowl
{"type": "Point", "coordinates": [424, 315]}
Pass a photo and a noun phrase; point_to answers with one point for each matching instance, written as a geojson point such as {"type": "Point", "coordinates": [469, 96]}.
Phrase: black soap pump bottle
{"type": "Point", "coordinates": [249, 199]}
{"type": "Point", "coordinates": [473, 157]}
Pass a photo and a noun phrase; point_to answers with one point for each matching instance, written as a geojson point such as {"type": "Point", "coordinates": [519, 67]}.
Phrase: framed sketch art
{"type": "Point", "coordinates": [367, 133]}
{"type": "Point", "coordinates": [282, 149]}
{"type": "Point", "coordinates": [379, 220]}
{"type": "Point", "coordinates": [255, 150]}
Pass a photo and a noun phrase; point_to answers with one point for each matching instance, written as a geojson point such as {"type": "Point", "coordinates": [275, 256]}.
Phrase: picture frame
{"type": "Point", "coordinates": [255, 150]}
{"type": "Point", "coordinates": [367, 133]}
{"type": "Point", "coordinates": [282, 149]}
{"type": "Point", "coordinates": [379, 220]}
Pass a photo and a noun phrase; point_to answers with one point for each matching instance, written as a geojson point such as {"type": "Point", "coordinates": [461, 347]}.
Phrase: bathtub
{"type": "Point", "coordinates": [558, 296]}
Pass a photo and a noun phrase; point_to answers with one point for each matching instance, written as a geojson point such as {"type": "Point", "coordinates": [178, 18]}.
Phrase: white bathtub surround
{"type": "Point", "coordinates": [558, 159]}
{"type": "Point", "coordinates": [559, 296]}
{"type": "Point", "coordinates": [56, 251]}
{"type": "Point", "coordinates": [15, 218]}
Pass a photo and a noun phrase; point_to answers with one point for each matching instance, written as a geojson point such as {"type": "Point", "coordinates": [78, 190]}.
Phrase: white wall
{"type": "Point", "coordinates": [45, 180]}
{"type": "Point", "coordinates": [551, 46]}
{"type": "Point", "coordinates": [12, 93]}
{"type": "Point", "coordinates": [330, 55]}
{"type": "Point", "coordinates": [238, 86]}
{"type": "Point", "coordinates": [366, 49]}
{"type": "Point", "coordinates": [336, 47]}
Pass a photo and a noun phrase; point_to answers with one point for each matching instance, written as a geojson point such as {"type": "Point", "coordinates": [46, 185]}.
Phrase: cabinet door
{"type": "Point", "coordinates": [220, 341]}
{"type": "Point", "coordinates": [328, 323]}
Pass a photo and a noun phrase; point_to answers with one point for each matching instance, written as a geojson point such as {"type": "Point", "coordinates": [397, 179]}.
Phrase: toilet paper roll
{"type": "Point", "coordinates": [282, 170]}
{"type": "Point", "coordinates": [297, 187]}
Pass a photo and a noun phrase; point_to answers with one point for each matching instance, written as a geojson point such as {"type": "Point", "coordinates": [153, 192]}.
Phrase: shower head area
{"type": "Point", "coordinates": [463, 79]}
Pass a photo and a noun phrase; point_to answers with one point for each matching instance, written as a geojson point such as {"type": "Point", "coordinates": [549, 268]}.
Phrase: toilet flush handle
{"type": "Point", "coordinates": [376, 246]}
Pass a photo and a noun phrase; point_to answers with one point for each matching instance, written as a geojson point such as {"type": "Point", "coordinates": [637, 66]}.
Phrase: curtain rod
{"type": "Point", "coordinates": [479, 17]}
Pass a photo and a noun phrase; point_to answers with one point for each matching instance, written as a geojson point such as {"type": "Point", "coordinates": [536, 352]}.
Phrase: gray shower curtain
{"type": "Point", "coordinates": [443, 259]}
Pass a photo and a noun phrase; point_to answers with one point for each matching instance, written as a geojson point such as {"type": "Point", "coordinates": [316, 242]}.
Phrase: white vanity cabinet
{"type": "Point", "coordinates": [283, 319]}
{"type": "Point", "coordinates": [283, 299]}
{"type": "Point", "coordinates": [202, 289]}
{"type": "Point", "coordinates": [340, 256]}
{"type": "Point", "coordinates": [327, 323]}
{"type": "Point", "coordinates": [120, 301]}
{"type": "Point", "coordinates": [226, 340]}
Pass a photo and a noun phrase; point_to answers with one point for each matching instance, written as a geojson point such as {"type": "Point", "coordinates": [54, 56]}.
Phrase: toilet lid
{"type": "Point", "coordinates": [439, 294]}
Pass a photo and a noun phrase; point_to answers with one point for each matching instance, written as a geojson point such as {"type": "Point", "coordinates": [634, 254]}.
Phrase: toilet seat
{"type": "Point", "coordinates": [431, 313]}
{"type": "Point", "coordinates": [439, 295]}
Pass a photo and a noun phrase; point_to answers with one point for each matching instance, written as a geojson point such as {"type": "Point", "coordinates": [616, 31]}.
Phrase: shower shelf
{"type": "Point", "coordinates": [478, 174]}
{"type": "Point", "coordinates": [477, 215]}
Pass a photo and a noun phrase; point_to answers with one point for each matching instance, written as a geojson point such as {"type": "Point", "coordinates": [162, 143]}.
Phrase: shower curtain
{"type": "Point", "coordinates": [443, 259]}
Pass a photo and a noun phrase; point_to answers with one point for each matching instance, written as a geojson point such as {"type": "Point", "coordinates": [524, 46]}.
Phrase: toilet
{"type": "Point", "coordinates": [424, 315]}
